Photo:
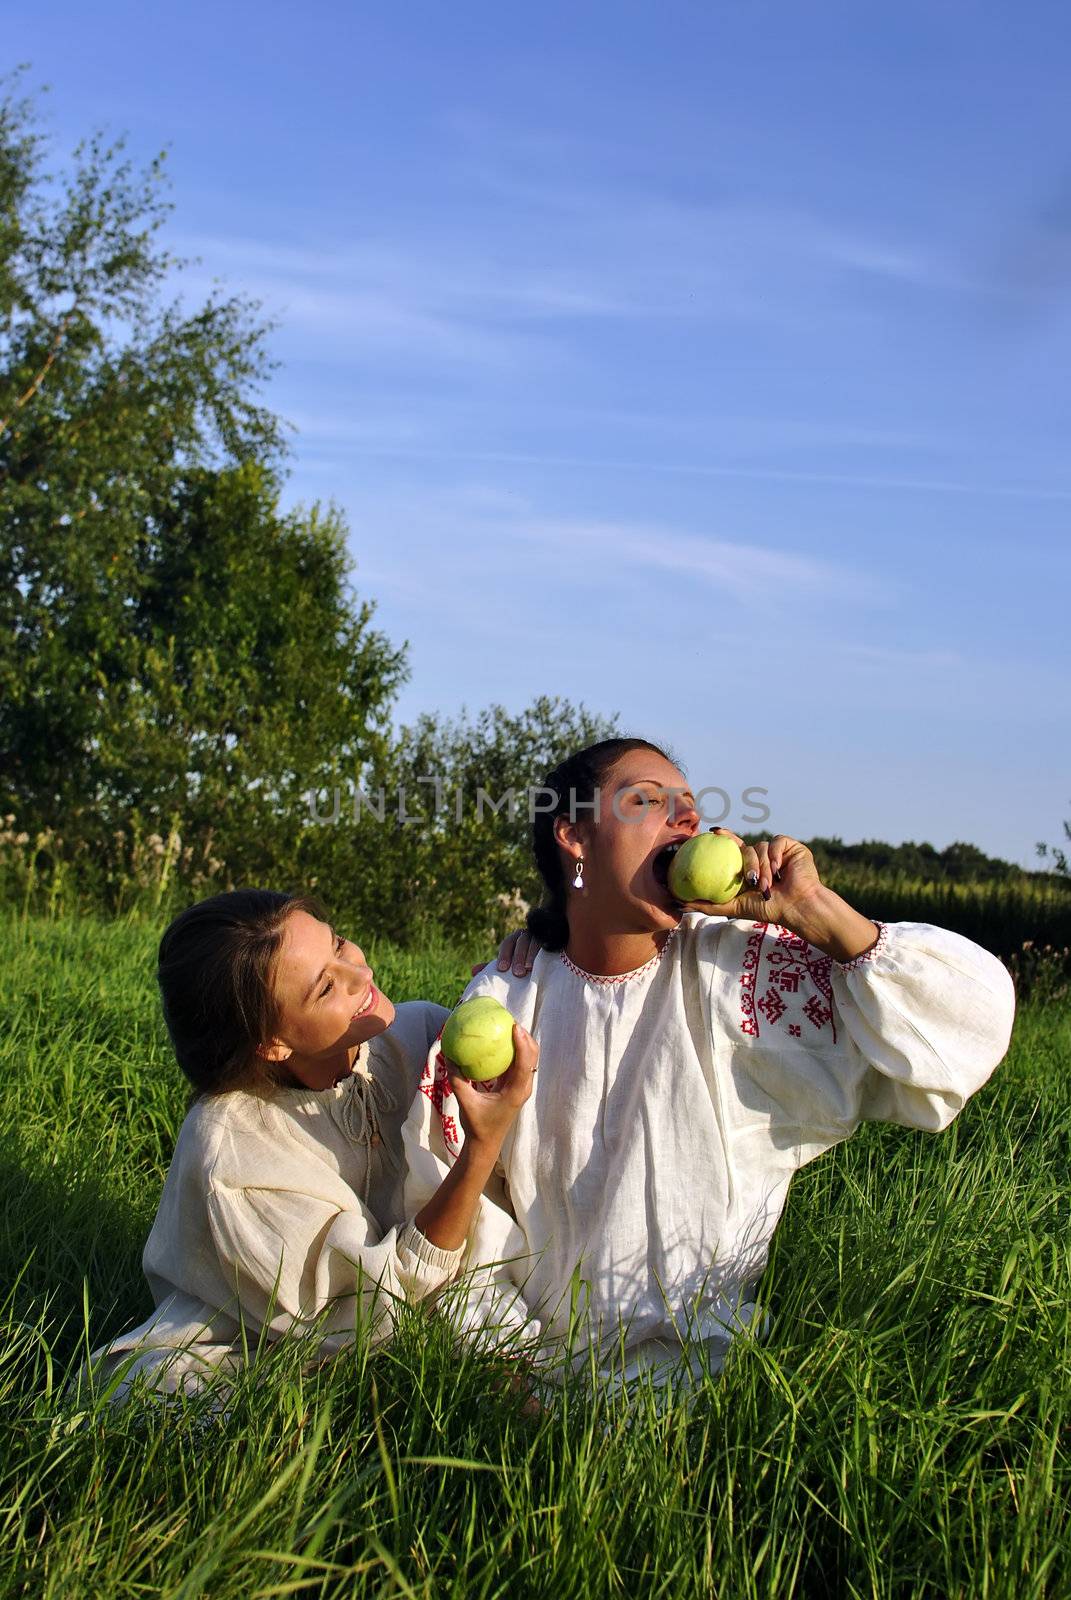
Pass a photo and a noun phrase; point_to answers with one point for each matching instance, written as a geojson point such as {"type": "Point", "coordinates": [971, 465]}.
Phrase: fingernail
{"type": "Point", "coordinates": [777, 875]}
{"type": "Point", "coordinates": [753, 879]}
{"type": "Point", "coordinates": [766, 894]}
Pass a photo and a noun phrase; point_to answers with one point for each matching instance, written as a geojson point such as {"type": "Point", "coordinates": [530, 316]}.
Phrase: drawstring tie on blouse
{"type": "Point", "coordinates": [365, 1102]}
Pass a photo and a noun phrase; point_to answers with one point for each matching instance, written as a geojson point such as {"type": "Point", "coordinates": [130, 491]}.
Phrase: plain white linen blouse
{"type": "Point", "coordinates": [285, 1215]}
{"type": "Point", "coordinates": [642, 1182]}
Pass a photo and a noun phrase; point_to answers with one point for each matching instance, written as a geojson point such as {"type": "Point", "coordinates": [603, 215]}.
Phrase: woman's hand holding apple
{"type": "Point", "coordinates": [782, 885]}
{"type": "Point", "coordinates": [778, 873]}
{"type": "Point", "coordinates": [488, 1109]}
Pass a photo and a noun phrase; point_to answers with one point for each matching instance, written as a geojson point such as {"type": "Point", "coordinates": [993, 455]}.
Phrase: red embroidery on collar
{"type": "Point", "coordinates": [620, 977]}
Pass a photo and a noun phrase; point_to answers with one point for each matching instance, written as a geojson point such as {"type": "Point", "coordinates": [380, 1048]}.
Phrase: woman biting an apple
{"type": "Point", "coordinates": [694, 1056]}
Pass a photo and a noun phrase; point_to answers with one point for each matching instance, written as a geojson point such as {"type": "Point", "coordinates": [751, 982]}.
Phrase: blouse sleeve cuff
{"type": "Point", "coordinates": [429, 1254]}
{"type": "Point", "coordinates": [867, 955]}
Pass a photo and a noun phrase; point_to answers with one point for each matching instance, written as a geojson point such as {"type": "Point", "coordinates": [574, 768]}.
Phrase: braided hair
{"type": "Point", "coordinates": [573, 781]}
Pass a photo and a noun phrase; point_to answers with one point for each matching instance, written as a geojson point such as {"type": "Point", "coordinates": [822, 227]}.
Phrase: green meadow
{"type": "Point", "coordinates": [903, 1429]}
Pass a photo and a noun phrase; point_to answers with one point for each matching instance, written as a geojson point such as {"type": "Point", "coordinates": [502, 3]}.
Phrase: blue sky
{"type": "Point", "coordinates": [707, 363]}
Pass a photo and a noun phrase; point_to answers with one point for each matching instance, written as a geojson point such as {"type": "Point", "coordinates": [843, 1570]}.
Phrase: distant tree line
{"type": "Point", "coordinates": [956, 863]}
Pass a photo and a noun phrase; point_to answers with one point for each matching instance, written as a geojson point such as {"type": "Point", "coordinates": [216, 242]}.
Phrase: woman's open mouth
{"type": "Point", "coordinates": [367, 1004]}
{"type": "Point", "coordinates": [661, 863]}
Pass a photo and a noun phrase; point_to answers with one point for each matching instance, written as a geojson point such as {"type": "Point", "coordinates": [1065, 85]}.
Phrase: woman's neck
{"type": "Point", "coordinates": [296, 1071]}
{"type": "Point", "coordinates": [609, 954]}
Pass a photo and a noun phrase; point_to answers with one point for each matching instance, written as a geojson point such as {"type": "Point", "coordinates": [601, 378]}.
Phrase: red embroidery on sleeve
{"type": "Point", "coordinates": [817, 1012]}
{"type": "Point", "coordinates": [749, 1022]}
{"type": "Point", "coordinates": [435, 1083]}
{"type": "Point", "coordinates": [771, 1005]}
{"type": "Point", "coordinates": [451, 1137]}
{"type": "Point", "coordinates": [796, 981]}
{"type": "Point", "coordinates": [818, 967]}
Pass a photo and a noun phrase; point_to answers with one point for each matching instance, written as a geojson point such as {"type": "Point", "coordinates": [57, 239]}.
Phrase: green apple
{"type": "Point", "coordinates": [478, 1038]}
{"type": "Point", "coordinates": [707, 867]}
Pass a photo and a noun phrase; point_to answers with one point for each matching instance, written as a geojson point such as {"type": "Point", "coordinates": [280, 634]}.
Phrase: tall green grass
{"type": "Point", "coordinates": [1003, 916]}
{"type": "Point", "coordinates": [902, 1430]}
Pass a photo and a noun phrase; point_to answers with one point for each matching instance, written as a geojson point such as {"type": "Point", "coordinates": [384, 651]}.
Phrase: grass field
{"type": "Point", "coordinates": [903, 1430]}
{"type": "Point", "coordinates": [1017, 920]}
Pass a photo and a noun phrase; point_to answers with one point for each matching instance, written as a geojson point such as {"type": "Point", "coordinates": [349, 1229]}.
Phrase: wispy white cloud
{"type": "Point", "coordinates": [336, 324]}
{"type": "Point", "coordinates": [494, 591]}
{"type": "Point", "coordinates": [557, 254]}
{"type": "Point", "coordinates": [904, 482]}
{"type": "Point", "coordinates": [434, 268]}
{"type": "Point", "coordinates": [749, 573]}
{"type": "Point", "coordinates": [479, 528]}
{"type": "Point", "coordinates": [890, 656]}
{"type": "Point", "coordinates": [415, 418]}
{"type": "Point", "coordinates": [744, 431]}
{"type": "Point", "coordinates": [429, 298]}
{"type": "Point", "coordinates": [727, 256]}
{"type": "Point", "coordinates": [358, 425]}
{"type": "Point", "coordinates": [514, 277]}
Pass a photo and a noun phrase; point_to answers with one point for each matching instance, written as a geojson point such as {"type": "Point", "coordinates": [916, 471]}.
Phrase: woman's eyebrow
{"type": "Point", "coordinates": [312, 985]}
{"type": "Point", "coordinates": [685, 793]}
{"type": "Point", "coordinates": [323, 969]}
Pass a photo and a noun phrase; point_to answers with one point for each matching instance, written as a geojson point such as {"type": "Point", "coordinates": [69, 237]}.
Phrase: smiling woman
{"type": "Point", "coordinates": [325, 1018]}
{"type": "Point", "coordinates": [282, 1211]}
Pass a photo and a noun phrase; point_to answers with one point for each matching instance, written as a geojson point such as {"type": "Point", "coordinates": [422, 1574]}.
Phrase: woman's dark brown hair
{"type": "Point", "coordinates": [215, 970]}
{"type": "Point", "coordinates": [574, 781]}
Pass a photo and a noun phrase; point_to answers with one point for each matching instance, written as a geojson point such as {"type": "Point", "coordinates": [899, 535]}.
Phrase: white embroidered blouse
{"type": "Point", "coordinates": [643, 1180]}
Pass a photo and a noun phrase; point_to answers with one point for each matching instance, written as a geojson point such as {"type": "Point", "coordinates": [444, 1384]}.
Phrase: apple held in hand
{"type": "Point", "coordinates": [478, 1038]}
{"type": "Point", "coordinates": [707, 867]}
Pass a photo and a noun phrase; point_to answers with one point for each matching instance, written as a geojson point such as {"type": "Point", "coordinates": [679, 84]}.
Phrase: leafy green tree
{"type": "Point", "coordinates": [174, 651]}
{"type": "Point", "coordinates": [260, 675]}
{"type": "Point", "coordinates": [434, 843]}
